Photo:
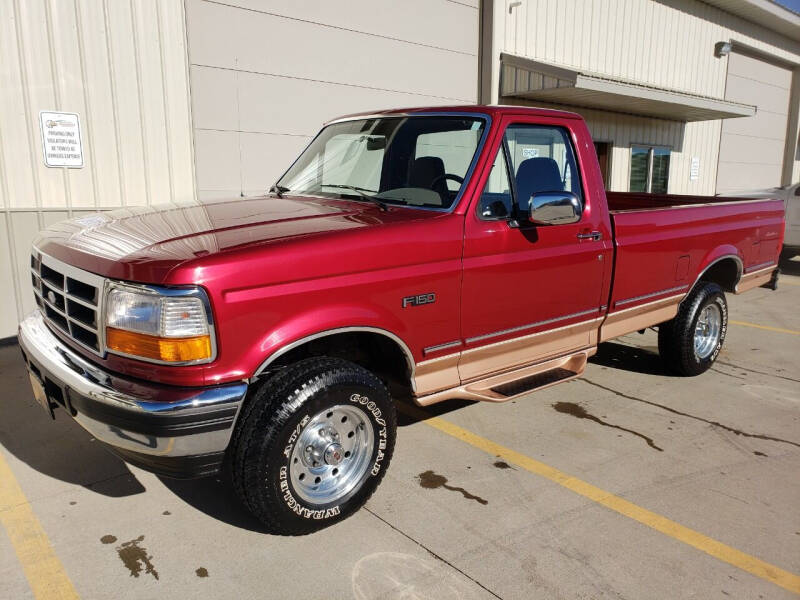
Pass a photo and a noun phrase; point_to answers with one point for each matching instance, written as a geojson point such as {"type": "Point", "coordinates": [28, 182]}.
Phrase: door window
{"type": "Point", "coordinates": [540, 159]}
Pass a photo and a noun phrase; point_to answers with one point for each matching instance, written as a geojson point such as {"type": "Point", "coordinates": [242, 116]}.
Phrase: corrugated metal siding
{"type": "Point", "coordinates": [122, 67]}
{"type": "Point", "coordinates": [266, 74]}
{"type": "Point", "coordinates": [664, 44]}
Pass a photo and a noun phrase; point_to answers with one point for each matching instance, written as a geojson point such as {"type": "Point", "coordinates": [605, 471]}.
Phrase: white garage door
{"type": "Point", "coordinates": [265, 74]}
{"type": "Point", "coordinates": [751, 149]}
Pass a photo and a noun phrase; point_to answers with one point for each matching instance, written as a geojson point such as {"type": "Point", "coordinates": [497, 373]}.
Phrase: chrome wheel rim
{"type": "Point", "coordinates": [332, 454]}
{"type": "Point", "coordinates": [707, 331]}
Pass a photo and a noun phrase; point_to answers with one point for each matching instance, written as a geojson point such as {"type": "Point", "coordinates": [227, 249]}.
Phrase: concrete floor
{"type": "Point", "coordinates": [719, 453]}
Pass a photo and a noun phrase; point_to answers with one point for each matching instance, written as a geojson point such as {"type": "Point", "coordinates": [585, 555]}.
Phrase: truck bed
{"type": "Point", "coordinates": [663, 244]}
{"type": "Point", "coordinates": [624, 201]}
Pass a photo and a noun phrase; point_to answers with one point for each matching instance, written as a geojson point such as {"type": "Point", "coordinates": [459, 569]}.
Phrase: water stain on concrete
{"type": "Point", "coordinates": [201, 572]}
{"type": "Point", "coordinates": [135, 557]}
{"type": "Point", "coordinates": [108, 539]}
{"type": "Point", "coordinates": [431, 481]}
{"type": "Point", "coordinates": [501, 464]}
{"type": "Point", "coordinates": [758, 436]}
{"type": "Point", "coordinates": [576, 410]}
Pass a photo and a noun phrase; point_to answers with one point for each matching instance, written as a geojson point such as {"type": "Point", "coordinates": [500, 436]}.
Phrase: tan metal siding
{"type": "Point", "coordinates": [751, 149]}
{"type": "Point", "coordinates": [266, 74]}
{"type": "Point", "coordinates": [122, 67]}
{"type": "Point", "coordinates": [664, 44]}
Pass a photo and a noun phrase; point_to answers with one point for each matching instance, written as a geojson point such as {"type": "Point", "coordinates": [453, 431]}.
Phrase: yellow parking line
{"type": "Point", "coordinates": [732, 556]}
{"type": "Point", "coordinates": [44, 571]}
{"type": "Point", "coordinates": [765, 327]}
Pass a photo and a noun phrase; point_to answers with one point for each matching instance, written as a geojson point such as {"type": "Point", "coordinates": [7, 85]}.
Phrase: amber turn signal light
{"type": "Point", "coordinates": [159, 348]}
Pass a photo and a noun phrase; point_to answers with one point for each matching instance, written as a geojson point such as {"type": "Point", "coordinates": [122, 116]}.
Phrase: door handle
{"type": "Point", "coordinates": [592, 235]}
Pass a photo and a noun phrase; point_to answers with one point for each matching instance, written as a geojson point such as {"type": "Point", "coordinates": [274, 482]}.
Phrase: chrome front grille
{"type": "Point", "coordinates": [70, 300]}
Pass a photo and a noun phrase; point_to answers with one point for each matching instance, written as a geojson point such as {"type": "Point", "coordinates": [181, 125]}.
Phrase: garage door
{"type": "Point", "coordinates": [751, 149]}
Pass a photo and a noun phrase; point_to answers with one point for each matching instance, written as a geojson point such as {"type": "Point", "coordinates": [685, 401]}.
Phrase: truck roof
{"type": "Point", "coordinates": [492, 110]}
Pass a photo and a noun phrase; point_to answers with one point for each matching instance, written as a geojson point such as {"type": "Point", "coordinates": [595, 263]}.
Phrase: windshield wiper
{"type": "Point", "coordinates": [278, 190]}
{"type": "Point", "coordinates": [360, 191]}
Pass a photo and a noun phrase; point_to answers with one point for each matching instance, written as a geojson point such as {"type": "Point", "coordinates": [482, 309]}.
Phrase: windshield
{"type": "Point", "coordinates": [413, 161]}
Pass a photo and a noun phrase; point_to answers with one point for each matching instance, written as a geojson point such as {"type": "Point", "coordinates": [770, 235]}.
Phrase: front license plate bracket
{"type": "Point", "coordinates": [40, 395]}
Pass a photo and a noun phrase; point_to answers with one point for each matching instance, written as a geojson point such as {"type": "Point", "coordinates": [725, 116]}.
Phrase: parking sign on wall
{"type": "Point", "coordinates": [61, 139]}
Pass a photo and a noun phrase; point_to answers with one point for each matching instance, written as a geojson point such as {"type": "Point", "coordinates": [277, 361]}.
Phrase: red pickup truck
{"type": "Point", "coordinates": [459, 252]}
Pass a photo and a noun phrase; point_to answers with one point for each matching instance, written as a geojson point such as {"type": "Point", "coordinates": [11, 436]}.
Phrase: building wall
{"type": "Point", "coordinates": [122, 67]}
{"type": "Point", "coordinates": [265, 74]}
{"type": "Point", "coordinates": [664, 43]}
{"type": "Point", "coordinates": [751, 150]}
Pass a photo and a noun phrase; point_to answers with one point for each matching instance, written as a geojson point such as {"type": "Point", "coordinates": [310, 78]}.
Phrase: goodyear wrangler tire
{"type": "Point", "coordinates": [313, 445]}
{"type": "Point", "coordinates": [690, 343]}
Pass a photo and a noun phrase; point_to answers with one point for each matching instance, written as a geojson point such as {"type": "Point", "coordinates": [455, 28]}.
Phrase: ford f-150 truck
{"type": "Point", "coordinates": [461, 252]}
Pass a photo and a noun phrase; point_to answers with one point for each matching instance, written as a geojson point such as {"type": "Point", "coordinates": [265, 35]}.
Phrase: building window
{"type": "Point", "coordinates": [649, 169]}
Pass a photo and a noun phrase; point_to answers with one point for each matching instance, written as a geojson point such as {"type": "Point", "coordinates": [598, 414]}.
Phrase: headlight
{"type": "Point", "coordinates": [159, 324]}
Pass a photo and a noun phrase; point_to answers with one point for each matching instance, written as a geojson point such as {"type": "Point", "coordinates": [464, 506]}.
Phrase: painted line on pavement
{"type": "Point", "coordinates": [710, 546]}
{"type": "Point", "coordinates": [44, 571]}
{"type": "Point", "coordinates": [765, 327]}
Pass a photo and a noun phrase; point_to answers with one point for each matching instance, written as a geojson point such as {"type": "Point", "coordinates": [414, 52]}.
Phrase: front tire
{"type": "Point", "coordinates": [314, 443]}
{"type": "Point", "coordinates": [690, 343]}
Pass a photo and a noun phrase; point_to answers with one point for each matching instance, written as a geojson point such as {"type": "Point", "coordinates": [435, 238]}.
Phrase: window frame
{"type": "Point", "coordinates": [651, 148]}
{"type": "Point", "coordinates": [512, 184]}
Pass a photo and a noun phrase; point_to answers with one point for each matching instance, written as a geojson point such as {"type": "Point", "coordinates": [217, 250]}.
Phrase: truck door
{"type": "Point", "coordinates": [530, 292]}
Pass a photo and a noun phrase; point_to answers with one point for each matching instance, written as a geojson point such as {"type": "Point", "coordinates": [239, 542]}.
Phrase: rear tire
{"type": "Point", "coordinates": [313, 444]}
{"type": "Point", "coordinates": [690, 343]}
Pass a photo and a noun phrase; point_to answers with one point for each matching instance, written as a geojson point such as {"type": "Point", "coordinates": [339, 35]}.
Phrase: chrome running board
{"type": "Point", "coordinates": [518, 382]}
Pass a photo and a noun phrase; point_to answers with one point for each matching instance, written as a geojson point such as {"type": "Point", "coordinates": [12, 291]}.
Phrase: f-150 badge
{"type": "Point", "coordinates": [419, 300]}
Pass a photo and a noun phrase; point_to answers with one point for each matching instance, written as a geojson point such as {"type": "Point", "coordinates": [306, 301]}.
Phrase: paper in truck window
{"type": "Point", "coordinates": [61, 139]}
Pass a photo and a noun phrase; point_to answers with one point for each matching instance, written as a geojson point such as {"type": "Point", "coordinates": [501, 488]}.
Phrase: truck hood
{"type": "Point", "coordinates": [145, 243]}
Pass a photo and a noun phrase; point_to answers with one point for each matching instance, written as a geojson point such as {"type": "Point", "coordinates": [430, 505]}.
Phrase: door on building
{"type": "Point", "coordinates": [751, 150]}
{"type": "Point", "coordinates": [523, 281]}
{"type": "Point", "coordinates": [603, 150]}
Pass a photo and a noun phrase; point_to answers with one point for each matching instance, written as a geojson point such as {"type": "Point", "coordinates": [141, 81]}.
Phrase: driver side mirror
{"type": "Point", "coordinates": [554, 208]}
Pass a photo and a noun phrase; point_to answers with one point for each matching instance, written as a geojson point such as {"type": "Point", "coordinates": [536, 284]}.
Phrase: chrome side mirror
{"type": "Point", "coordinates": [554, 208]}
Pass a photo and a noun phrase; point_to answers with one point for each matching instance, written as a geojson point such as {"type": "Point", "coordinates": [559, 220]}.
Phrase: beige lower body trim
{"type": "Point", "coordinates": [437, 374]}
{"type": "Point", "coordinates": [639, 317]}
{"type": "Point", "coordinates": [450, 371]}
{"type": "Point", "coordinates": [755, 279]}
{"type": "Point", "coordinates": [485, 389]}
{"type": "Point", "coordinates": [534, 348]}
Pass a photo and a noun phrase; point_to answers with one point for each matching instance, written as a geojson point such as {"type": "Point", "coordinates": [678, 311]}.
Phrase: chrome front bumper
{"type": "Point", "coordinates": [174, 431]}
